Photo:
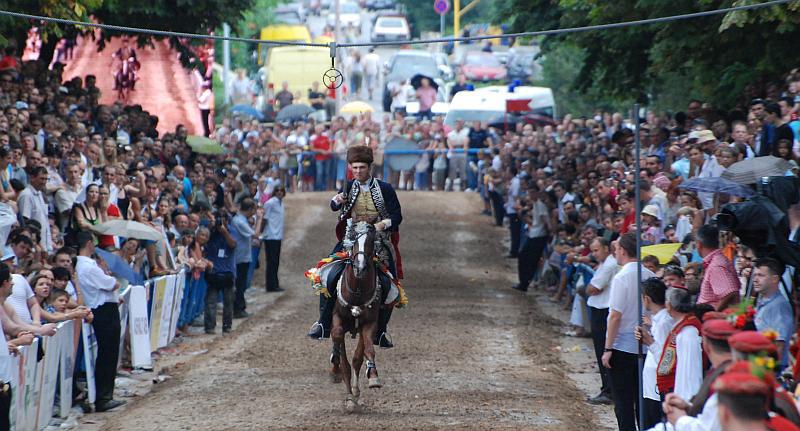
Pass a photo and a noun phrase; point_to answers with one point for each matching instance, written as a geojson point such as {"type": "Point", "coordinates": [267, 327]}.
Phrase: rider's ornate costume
{"type": "Point", "coordinates": [373, 201]}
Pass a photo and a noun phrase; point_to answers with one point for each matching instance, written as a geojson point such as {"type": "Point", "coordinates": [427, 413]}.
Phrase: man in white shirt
{"type": "Point", "coordinates": [654, 293]}
{"type": "Point", "coordinates": [621, 349]}
{"type": "Point", "coordinates": [599, 291]}
{"type": "Point", "coordinates": [32, 204]}
{"type": "Point", "coordinates": [100, 294]}
{"type": "Point", "coordinates": [371, 65]}
{"type": "Point", "coordinates": [457, 139]}
{"type": "Point", "coordinates": [531, 251]}
{"type": "Point", "coordinates": [15, 339]}
{"type": "Point", "coordinates": [273, 236]}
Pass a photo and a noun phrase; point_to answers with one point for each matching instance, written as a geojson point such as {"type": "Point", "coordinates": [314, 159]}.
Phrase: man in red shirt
{"type": "Point", "coordinates": [322, 147]}
{"type": "Point", "coordinates": [720, 285]}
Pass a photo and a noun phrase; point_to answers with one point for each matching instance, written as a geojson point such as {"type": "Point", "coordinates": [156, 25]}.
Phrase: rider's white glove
{"type": "Point", "coordinates": [339, 198]}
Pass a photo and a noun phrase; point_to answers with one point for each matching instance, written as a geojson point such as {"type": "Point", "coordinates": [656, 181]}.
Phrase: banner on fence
{"type": "Point", "coordinates": [157, 308]}
{"type": "Point", "coordinates": [47, 381]}
{"type": "Point", "coordinates": [124, 306]}
{"type": "Point", "coordinates": [166, 312]}
{"type": "Point", "coordinates": [89, 357]}
{"type": "Point", "coordinates": [69, 332]}
{"type": "Point", "coordinates": [180, 285]}
{"type": "Point", "coordinates": [139, 327]}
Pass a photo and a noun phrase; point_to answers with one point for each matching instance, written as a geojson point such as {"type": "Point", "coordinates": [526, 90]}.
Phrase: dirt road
{"type": "Point", "coordinates": [164, 88]}
{"type": "Point", "coordinates": [470, 352]}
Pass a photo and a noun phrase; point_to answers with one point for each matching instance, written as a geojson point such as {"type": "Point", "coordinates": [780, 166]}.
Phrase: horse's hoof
{"type": "Point", "coordinates": [351, 404]}
{"type": "Point", "coordinates": [375, 382]}
{"type": "Point", "coordinates": [335, 377]}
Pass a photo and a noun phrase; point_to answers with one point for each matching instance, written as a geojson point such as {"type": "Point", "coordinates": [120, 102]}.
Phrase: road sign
{"type": "Point", "coordinates": [441, 6]}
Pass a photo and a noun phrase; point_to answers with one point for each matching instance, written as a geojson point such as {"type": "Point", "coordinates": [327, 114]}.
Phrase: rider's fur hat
{"type": "Point", "coordinates": [359, 154]}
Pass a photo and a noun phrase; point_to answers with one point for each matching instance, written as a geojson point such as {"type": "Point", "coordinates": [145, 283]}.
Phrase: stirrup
{"type": "Point", "coordinates": [385, 335]}
{"type": "Point", "coordinates": [314, 327]}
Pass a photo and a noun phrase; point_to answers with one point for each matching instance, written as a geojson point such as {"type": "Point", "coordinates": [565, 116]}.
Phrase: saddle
{"type": "Point", "coordinates": [333, 274]}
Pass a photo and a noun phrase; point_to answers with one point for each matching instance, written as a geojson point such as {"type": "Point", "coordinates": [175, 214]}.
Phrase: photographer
{"type": "Point", "coordinates": [220, 251]}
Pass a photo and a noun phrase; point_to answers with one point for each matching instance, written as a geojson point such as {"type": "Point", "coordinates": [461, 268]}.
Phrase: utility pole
{"type": "Point", "coordinates": [226, 62]}
{"type": "Point", "coordinates": [338, 37]}
{"type": "Point", "coordinates": [456, 19]}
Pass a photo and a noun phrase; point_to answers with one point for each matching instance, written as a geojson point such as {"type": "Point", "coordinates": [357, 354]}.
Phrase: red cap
{"type": "Point", "coordinates": [751, 342]}
{"type": "Point", "coordinates": [740, 383]}
{"type": "Point", "coordinates": [780, 423]}
{"type": "Point", "coordinates": [718, 329]}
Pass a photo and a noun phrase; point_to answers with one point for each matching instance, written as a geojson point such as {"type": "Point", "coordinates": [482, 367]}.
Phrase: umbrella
{"type": "Point", "coordinates": [118, 267]}
{"type": "Point", "coordinates": [416, 81]}
{"type": "Point", "coordinates": [356, 107]}
{"type": "Point", "coordinates": [128, 229]}
{"type": "Point", "coordinates": [248, 110]}
{"type": "Point", "coordinates": [294, 112]}
{"type": "Point", "coordinates": [717, 185]}
{"type": "Point", "coordinates": [203, 145]}
{"type": "Point", "coordinates": [405, 153]}
{"type": "Point", "coordinates": [750, 171]}
{"type": "Point", "coordinates": [663, 252]}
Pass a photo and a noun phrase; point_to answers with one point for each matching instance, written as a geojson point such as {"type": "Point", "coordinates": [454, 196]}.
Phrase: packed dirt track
{"type": "Point", "coordinates": [470, 353]}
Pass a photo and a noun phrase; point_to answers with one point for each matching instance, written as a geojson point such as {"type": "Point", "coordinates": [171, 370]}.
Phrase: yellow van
{"type": "Point", "coordinates": [299, 66]}
{"type": "Point", "coordinates": [281, 33]}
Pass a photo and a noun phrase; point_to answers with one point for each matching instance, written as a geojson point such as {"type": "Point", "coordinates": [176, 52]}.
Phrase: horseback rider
{"type": "Point", "coordinates": [125, 65]}
{"type": "Point", "coordinates": [365, 199]}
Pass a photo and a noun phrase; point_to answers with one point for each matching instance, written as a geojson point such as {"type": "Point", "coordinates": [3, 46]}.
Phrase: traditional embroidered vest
{"type": "Point", "coordinates": [668, 364]}
{"type": "Point", "coordinates": [364, 208]}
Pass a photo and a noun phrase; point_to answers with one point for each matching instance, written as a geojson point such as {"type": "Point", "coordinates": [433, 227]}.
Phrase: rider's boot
{"type": "Point", "coordinates": [382, 337]}
{"type": "Point", "coordinates": [322, 327]}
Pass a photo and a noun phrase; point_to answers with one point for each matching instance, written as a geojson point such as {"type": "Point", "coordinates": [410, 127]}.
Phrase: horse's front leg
{"type": "Point", "coordinates": [337, 335]}
{"type": "Point", "coordinates": [367, 335]}
{"type": "Point", "coordinates": [358, 360]}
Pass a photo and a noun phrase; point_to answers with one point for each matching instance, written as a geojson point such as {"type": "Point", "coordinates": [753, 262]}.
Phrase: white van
{"type": "Point", "coordinates": [494, 102]}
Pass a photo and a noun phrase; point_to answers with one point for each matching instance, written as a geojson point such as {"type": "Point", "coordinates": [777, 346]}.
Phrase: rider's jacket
{"type": "Point", "coordinates": [373, 201]}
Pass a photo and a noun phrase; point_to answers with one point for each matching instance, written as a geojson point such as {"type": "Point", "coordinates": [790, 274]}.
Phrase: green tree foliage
{"type": "Point", "coordinates": [723, 59]}
{"type": "Point", "coordinates": [248, 23]}
{"type": "Point", "coordinates": [186, 16]}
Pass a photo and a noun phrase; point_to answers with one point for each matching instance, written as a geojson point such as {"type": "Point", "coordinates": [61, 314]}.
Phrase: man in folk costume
{"type": "Point", "coordinates": [680, 368]}
{"type": "Point", "coordinates": [365, 199]}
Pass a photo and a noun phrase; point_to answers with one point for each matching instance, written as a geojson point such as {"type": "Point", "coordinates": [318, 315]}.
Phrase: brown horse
{"type": "Point", "coordinates": [357, 304]}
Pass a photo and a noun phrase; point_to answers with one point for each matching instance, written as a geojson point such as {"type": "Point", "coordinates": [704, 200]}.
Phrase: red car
{"type": "Point", "coordinates": [483, 66]}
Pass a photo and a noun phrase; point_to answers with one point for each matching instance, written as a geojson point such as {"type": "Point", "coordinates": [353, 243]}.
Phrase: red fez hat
{"type": "Point", "coordinates": [741, 383]}
{"type": "Point", "coordinates": [751, 342]}
{"type": "Point", "coordinates": [718, 329]}
{"type": "Point", "coordinates": [359, 154]}
{"type": "Point", "coordinates": [780, 423]}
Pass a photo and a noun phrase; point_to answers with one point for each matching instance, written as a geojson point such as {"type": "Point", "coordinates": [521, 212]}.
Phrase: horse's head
{"type": "Point", "coordinates": [363, 248]}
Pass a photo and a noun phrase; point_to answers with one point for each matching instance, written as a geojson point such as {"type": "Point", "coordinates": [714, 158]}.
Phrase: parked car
{"type": "Point", "coordinates": [349, 14]}
{"type": "Point", "coordinates": [289, 14]}
{"type": "Point", "coordinates": [523, 67]}
{"type": "Point", "coordinates": [390, 28]}
{"type": "Point", "coordinates": [372, 5]}
{"type": "Point", "coordinates": [482, 66]}
{"type": "Point", "coordinates": [404, 64]}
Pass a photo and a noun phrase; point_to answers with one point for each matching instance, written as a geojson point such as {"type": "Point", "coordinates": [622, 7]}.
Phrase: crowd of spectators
{"type": "Point", "coordinates": [69, 165]}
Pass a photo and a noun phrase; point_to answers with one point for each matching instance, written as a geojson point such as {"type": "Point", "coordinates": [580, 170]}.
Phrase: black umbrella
{"type": "Point", "coordinates": [294, 112]}
{"type": "Point", "coordinates": [416, 81]}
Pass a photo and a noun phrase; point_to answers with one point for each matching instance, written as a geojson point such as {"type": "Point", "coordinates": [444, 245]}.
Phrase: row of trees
{"type": "Point", "coordinates": [187, 16]}
{"type": "Point", "coordinates": [724, 59]}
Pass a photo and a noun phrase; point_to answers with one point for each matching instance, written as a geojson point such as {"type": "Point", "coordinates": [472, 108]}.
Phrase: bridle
{"type": "Point", "coordinates": [360, 232]}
